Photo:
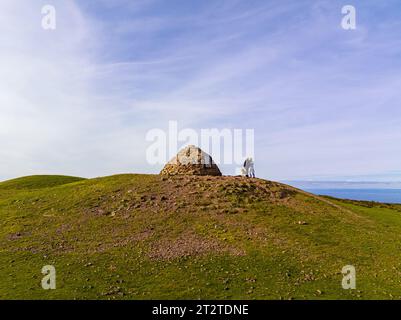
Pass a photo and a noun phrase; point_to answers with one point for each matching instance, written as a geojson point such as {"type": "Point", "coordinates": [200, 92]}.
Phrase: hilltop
{"type": "Point", "coordinates": [154, 237]}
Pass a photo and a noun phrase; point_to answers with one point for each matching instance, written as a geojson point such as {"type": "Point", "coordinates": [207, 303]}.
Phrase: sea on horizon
{"type": "Point", "coordinates": [388, 192]}
{"type": "Point", "coordinates": [378, 195]}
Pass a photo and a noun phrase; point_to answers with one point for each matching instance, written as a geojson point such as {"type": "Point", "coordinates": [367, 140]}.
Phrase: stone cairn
{"type": "Point", "coordinates": [191, 161]}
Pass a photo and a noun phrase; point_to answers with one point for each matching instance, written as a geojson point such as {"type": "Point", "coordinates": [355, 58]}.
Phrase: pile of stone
{"type": "Point", "coordinates": [191, 161]}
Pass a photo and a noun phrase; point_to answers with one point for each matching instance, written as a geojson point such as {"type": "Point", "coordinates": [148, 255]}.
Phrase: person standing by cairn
{"type": "Point", "coordinates": [248, 170]}
{"type": "Point", "coordinates": [251, 170]}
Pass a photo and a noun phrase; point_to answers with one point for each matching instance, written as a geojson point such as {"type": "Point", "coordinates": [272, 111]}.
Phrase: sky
{"type": "Point", "coordinates": [324, 102]}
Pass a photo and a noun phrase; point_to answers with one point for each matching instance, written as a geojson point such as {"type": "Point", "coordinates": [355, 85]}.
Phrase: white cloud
{"type": "Point", "coordinates": [80, 100]}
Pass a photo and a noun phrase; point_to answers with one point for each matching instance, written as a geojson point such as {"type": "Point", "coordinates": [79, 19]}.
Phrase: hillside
{"type": "Point", "coordinates": [37, 182]}
{"type": "Point", "coordinates": [188, 237]}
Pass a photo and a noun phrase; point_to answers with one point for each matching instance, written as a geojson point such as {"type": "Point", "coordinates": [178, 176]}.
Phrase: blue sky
{"type": "Point", "coordinates": [324, 101]}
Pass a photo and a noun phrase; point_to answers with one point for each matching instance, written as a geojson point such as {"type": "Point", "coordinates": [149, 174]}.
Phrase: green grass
{"type": "Point", "coordinates": [149, 237]}
{"type": "Point", "coordinates": [37, 182]}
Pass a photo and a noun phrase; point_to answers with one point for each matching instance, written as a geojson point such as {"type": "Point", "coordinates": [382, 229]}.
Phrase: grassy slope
{"type": "Point", "coordinates": [145, 237]}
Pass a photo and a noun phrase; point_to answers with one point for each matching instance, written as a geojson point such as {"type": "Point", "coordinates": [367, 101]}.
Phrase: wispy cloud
{"type": "Point", "coordinates": [323, 101]}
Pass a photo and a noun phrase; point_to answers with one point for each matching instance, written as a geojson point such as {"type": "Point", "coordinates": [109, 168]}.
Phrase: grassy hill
{"type": "Point", "coordinates": [37, 182]}
{"type": "Point", "coordinates": [148, 237]}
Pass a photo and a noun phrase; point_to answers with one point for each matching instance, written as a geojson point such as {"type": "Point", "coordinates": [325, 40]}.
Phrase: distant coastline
{"type": "Point", "coordinates": [305, 184]}
{"type": "Point", "coordinates": [386, 192]}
